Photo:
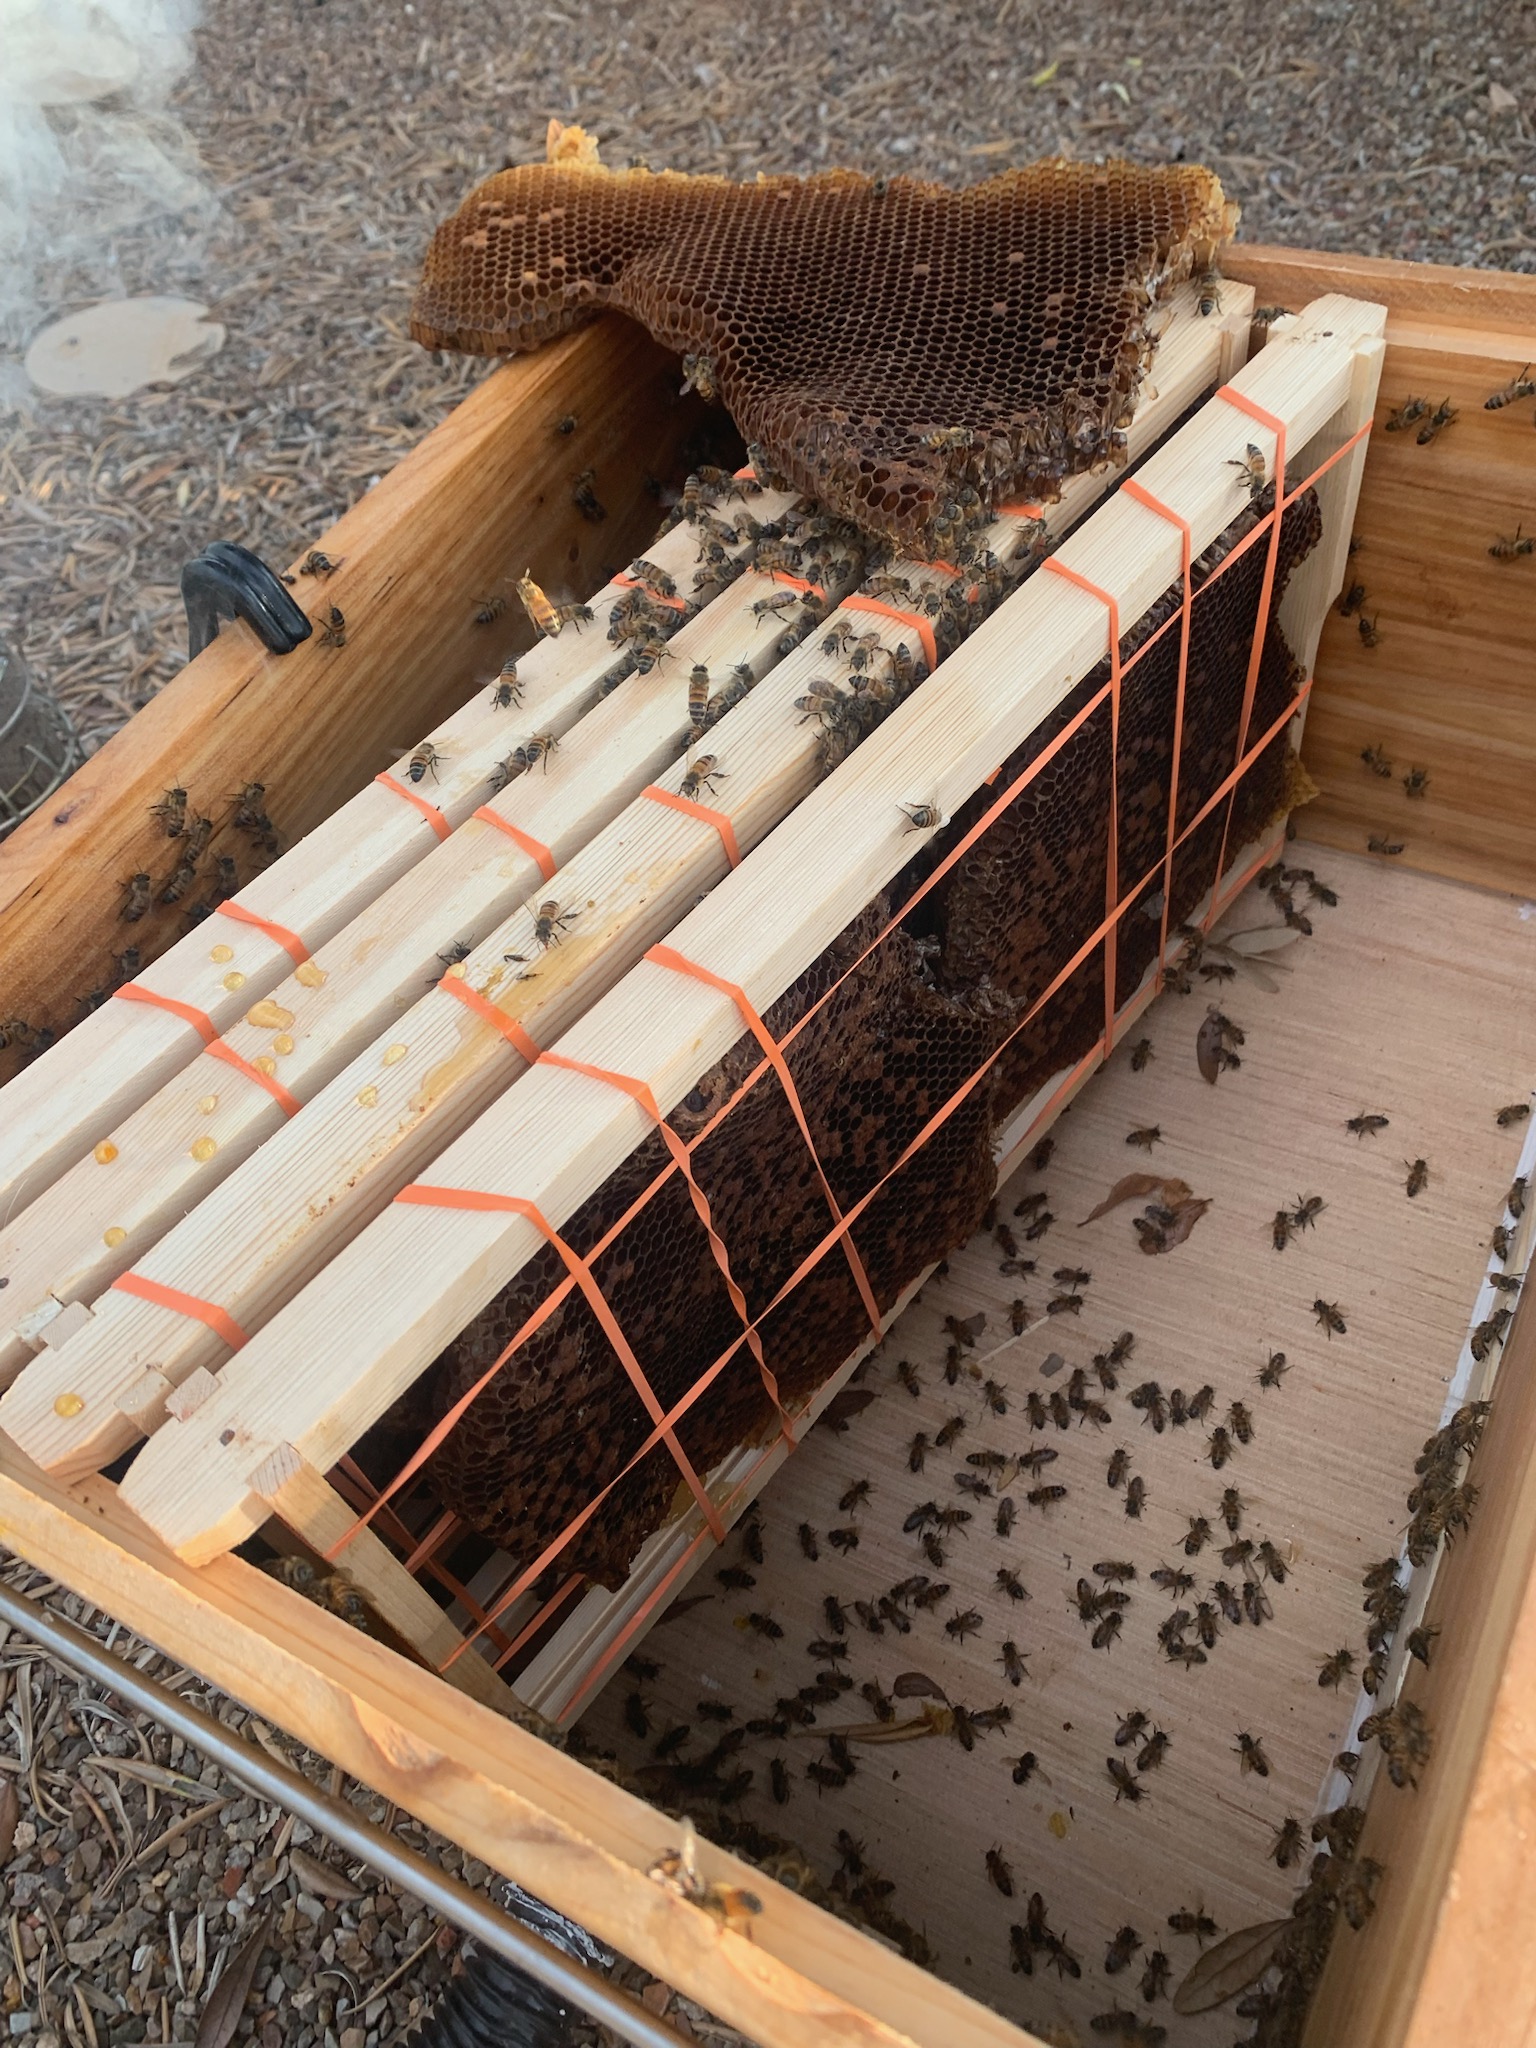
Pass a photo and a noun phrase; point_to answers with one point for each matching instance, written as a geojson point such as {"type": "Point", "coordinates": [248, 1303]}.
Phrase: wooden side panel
{"type": "Point", "coordinates": [484, 496]}
{"type": "Point", "coordinates": [1451, 687]}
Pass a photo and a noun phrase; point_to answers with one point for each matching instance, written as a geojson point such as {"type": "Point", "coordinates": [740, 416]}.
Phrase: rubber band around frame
{"type": "Point", "coordinates": [456, 986]}
{"type": "Point", "coordinates": [675, 801]}
{"type": "Point", "coordinates": [534, 848]}
{"type": "Point", "coordinates": [217, 1319]}
{"type": "Point", "coordinates": [290, 942]}
{"type": "Point", "coordinates": [430, 812]}
{"type": "Point", "coordinates": [201, 1022]}
{"type": "Point", "coordinates": [221, 1049]}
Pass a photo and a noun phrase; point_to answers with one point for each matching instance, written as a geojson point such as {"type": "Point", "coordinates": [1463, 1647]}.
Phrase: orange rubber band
{"type": "Point", "coordinates": [222, 1050]}
{"type": "Point", "coordinates": [794, 582]}
{"type": "Point", "coordinates": [703, 813]}
{"type": "Point", "coordinates": [1133, 489]}
{"type": "Point", "coordinates": [1018, 511]}
{"type": "Point", "coordinates": [640, 1092]}
{"type": "Point", "coordinates": [202, 1024]}
{"type": "Point", "coordinates": [430, 812]}
{"type": "Point", "coordinates": [1112, 861]}
{"type": "Point", "coordinates": [677, 604]}
{"type": "Point", "coordinates": [534, 848]}
{"type": "Point", "coordinates": [679, 963]}
{"type": "Point", "coordinates": [422, 1196]}
{"type": "Point", "coordinates": [513, 1032]}
{"type": "Point", "coordinates": [290, 942]}
{"type": "Point", "coordinates": [218, 1320]}
{"type": "Point", "coordinates": [922, 627]}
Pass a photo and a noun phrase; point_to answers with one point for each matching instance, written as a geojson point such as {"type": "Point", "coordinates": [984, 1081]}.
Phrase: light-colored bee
{"type": "Point", "coordinates": [704, 774]}
{"type": "Point", "coordinates": [922, 817]}
{"type": "Point", "coordinates": [424, 762]}
{"type": "Point", "coordinates": [1508, 546]}
{"type": "Point", "coordinates": [698, 697]}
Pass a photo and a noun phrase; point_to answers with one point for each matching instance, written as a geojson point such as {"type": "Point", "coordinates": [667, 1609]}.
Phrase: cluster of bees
{"type": "Point", "coordinates": [192, 833]}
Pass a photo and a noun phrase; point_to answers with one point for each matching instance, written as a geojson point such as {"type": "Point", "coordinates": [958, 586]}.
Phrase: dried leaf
{"type": "Point", "coordinates": [10, 1814]}
{"type": "Point", "coordinates": [916, 1685]}
{"type": "Point", "coordinates": [1181, 1220]}
{"type": "Point", "coordinates": [226, 2001]}
{"type": "Point", "coordinates": [1132, 1186]}
{"type": "Point", "coordinates": [1046, 73]}
{"type": "Point", "coordinates": [1500, 99]}
{"type": "Point", "coordinates": [1209, 1041]}
{"type": "Point", "coordinates": [1262, 938]}
{"type": "Point", "coordinates": [1231, 1966]}
{"type": "Point", "coordinates": [842, 1407]}
{"type": "Point", "coordinates": [320, 1880]}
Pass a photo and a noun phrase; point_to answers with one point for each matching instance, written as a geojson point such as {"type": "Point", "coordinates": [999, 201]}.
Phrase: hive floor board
{"type": "Point", "coordinates": [1414, 998]}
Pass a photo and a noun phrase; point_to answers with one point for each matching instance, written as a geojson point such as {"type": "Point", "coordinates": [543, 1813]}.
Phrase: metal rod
{"type": "Point", "coordinates": [333, 1817]}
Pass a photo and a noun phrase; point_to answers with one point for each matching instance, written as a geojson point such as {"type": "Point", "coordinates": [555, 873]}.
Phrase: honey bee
{"type": "Point", "coordinates": [653, 578]}
{"type": "Point", "coordinates": [1418, 1177]}
{"type": "Point", "coordinates": [334, 632]}
{"type": "Point", "coordinates": [1240, 1422]}
{"type": "Point", "coordinates": [735, 1578]}
{"type": "Point", "coordinates": [1288, 1844]}
{"type": "Point", "coordinates": [922, 817]}
{"type": "Point", "coordinates": [1154, 1978]}
{"type": "Point", "coordinates": [584, 497]}
{"type": "Point", "coordinates": [1238, 1553]}
{"type": "Point", "coordinates": [1511, 1114]}
{"type": "Point", "coordinates": [1018, 1315]}
{"type": "Point", "coordinates": [229, 875]}
{"type": "Point", "coordinates": [1408, 413]}
{"type": "Point", "coordinates": [699, 375]}
{"type": "Point", "coordinates": [637, 1716]}
{"type": "Point", "coordinates": [1219, 1447]}
{"type": "Point", "coordinates": [1514, 1201]}
{"type": "Point", "coordinates": [948, 437]}
{"type": "Point", "coordinates": [1199, 1535]}
{"type": "Point", "coordinates": [1334, 1671]}
{"type": "Point", "coordinates": [488, 610]}
{"type": "Point", "coordinates": [1208, 287]}
{"type": "Point", "coordinates": [1280, 1230]}
{"type": "Point", "coordinates": [172, 812]}
{"type": "Point", "coordinates": [1152, 1753]}
{"type": "Point", "coordinates": [1506, 1283]}
{"type": "Point", "coordinates": [1251, 1752]}
{"type": "Point", "coordinates": [506, 690]}
{"type": "Point", "coordinates": [1366, 1124]}
{"type": "Point", "coordinates": [1118, 1955]}
{"type": "Point", "coordinates": [1415, 782]}
{"type": "Point", "coordinates": [1120, 1777]}
{"type": "Point", "coordinates": [1256, 1605]}
{"type": "Point", "coordinates": [1104, 1635]}
{"type": "Point", "coordinates": [1135, 1498]}
{"type": "Point", "coordinates": [844, 1540]}
{"type": "Point", "coordinates": [702, 775]}
{"type": "Point", "coordinates": [1009, 1582]}
{"type": "Point", "coordinates": [1369, 636]}
{"type": "Point", "coordinates": [1378, 844]}
{"type": "Point", "coordinates": [1024, 1767]}
{"type": "Point", "coordinates": [698, 697]}
{"type": "Point", "coordinates": [1377, 762]}
{"type": "Point", "coordinates": [1421, 1642]}
{"type": "Point", "coordinates": [1250, 466]}
{"type": "Point", "coordinates": [949, 1432]}
{"type": "Point", "coordinates": [1330, 1321]}
{"type": "Point", "coordinates": [1119, 1466]}
{"type": "Point", "coordinates": [1200, 1403]}
{"type": "Point", "coordinates": [136, 900]}
{"type": "Point", "coordinates": [549, 922]}
{"type": "Point", "coordinates": [1352, 600]}
{"type": "Point", "coordinates": [808, 1545]}
{"type": "Point", "coordinates": [764, 1625]}
{"type": "Point", "coordinates": [1146, 1137]}
{"type": "Point", "coordinates": [1442, 416]}
{"type": "Point", "coordinates": [963, 1624]}
{"type": "Point", "coordinates": [1518, 387]}
{"type": "Point", "coordinates": [1507, 547]}
{"type": "Point", "coordinates": [424, 762]}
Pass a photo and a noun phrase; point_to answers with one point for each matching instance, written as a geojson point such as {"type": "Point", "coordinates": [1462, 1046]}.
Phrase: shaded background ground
{"type": "Point", "coordinates": [332, 138]}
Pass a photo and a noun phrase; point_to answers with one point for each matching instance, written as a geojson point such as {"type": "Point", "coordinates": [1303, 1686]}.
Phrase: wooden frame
{"type": "Point", "coordinates": [1452, 1957]}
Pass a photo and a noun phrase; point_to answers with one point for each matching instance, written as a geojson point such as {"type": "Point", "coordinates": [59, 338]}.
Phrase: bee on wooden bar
{"type": "Point", "coordinates": [637, 1716]}
{"type": "Point", "coordinates": [506, 690]}
{"type": "Point", "coordinates": [963, 1623]}
{"type": "Point", "coordinates": [1274, 1564]}
{"type": "Point", "coordinates": [1104, 1635]}
{"type": "Point", "coordinates": [1146, 1137]}
{"type": "Point", "coordinates": [995, 1395]}
{"type": "Point", "coordinates": [1012, 1662]}
{"type": "Point", "coordinates": [1506, 1283]}
{"type": "Point", "coordinates": [994, 1461]}
{"type": "Point", "coordinates": [1418, 1177]}
{"type": "Point", "coordinates": [136, 898]}
{"type": "Point", "coordinates": [1415, 782]}
{"type": "Point", "coordinates": [1514, 1201]}
{"type": "Point", "coordinates": [1135, 1498]}
{"type": "Point", "coordinates": [172, 812]}
{"type": "Point", "coordinates": [1376, 760]}
{"type": "Point", "coordinates": [1208, 287]}
{"type": "Point", "coordinates": [1511, 1114]}
{"type": "Point", "coordinates": [424, 762]}
{"type": "Point", "coordinates": [1141, 1052]}
{"type": "Point", "coordinates": [549, 923]}
{"type": "Point", "coordinates": [1040, 1226]}
{"type": "Point", "coordinates": [1379, 844]}
{"type": "Point", "coordinates": [974, 1485]}
{"type": "Point", "coordinates": [844, 1540]}
{"type": "Point", "coordinates": [1238, 1553]}
{"type": "Point", "coordinates": [1018, 1315]}
{"type": "Point", "coordinates": [917, 1451]}
{"type": "Point", "coordinates": [1031, 1204]}
{"type": "Point", "coordinates": [1199, 1535]}
{"type": "Point", "coordinates": [922, 817]}
{"type": "Point", "coordinates": [1125, 1785]}
{"type": "Point", "coordinates": [584, 497]}
{"type": "Point", "coordinates": [704, 773]}
{"type": "Point", "coordinates": [1366, 1124]}
{"type": "Point", "coordinates": [1408, 414]}
{"type": "Point", "coordinates": [698, 697]}
{"type": "Point", "coordinates": [1173, 1581]}
{"type": "Point", "coordinates": [1232, 1509]}
{"type": "Point", "coordinates": [909, 1376]}
{"type": "Point", "coordinates": [735, 1578]}
{"type": "Point", "coordinates": [1518, 387]}
{"type": "Point", "coordinates": [1240, 1422]}
{"type": "Point", "coordinates": [1507, 547]}
{"type": "Point", "coordinates": [1256, 1603]}
{"type": "Point", "coordinates": [1442, 416]}
{"type": "Point", "coordinates": [488, 610]}
{"type": "Point", "coordinates": [1307, 1210]}
{"type": "Point", "coordinates": [1149, 1398]}
{"type": "Point", "coordinates": [1024, 1766]}
{"type": "Point", "coordinates": [1119, 1466]}
{"type": "Point", "coordinates": [949, 1432]}
{"type": "Point", "coordinates": [1114, 1570]}
{"type": "Point", "coordinates": [1118, 1954]}
{"type": "Point", "coordinates": [1010, 1583]}
{"type": "Point", "coordinates": [1329, 1320]}
{"type": "Point", "coordinates": [1334, 1671]}
{"type": "Point", "coordinates": [762, 1625]}
{"type": "Point", "coordinates": [1005, 1516]}
{"type": "Point", "coordinates": [1219, 1447]}
{"type": "Point", "coordinates": [1351, 600]}
{"type": "Point", "coordinates": [1251, 1752]}
{"type": "Point", "coordinates": [1154, 1978]}
{"type": "Point", "coordinates": [183, 875]}
{"type": "Point", "coordinates": [1200, 1403]}
{"type": "Point", "coordinates": [1045, 1496]}
{"type": "Point", "coordinates": [1251, 467]}
{"type": "Point", "coordinates": [1064, 1305]}
{"type": "Point", "coordinates": [1153, 1750]}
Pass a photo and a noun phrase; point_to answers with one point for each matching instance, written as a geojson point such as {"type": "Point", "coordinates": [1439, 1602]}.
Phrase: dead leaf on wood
{"type": "Point", "coordinates": [10, 1814]}
{"type": "Point", "coordinates": [320, 1880]}
{"type": "Point", "coordinates": [1260, 938]}
{"type": "Point", "coordinates": [1132, 1186]}
{"type": "Point", "coordinates": [916, 1685]}
{"type": "Point", "coordinates": [1208, 1043]}
{"type": "Point", "coordinates": [226, 2001]}
{"type": "Point", "coordinates": [1231, 1966]}
{"type": "Point", "coordinates": [1174, 1222]}
{"type": "Point", "coordinates": [842, 1407]}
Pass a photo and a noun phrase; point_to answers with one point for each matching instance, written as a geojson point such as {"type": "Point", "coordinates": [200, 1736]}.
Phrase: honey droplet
{"type": "Point", "coordinates": [233, 981]}
{"type": "Point", "coordinates": [282, 1042]}
{"type": "Point", "coordinates": [1059, 1826]}
{"type": "Point", "coordinates": [68, 1405]}
{"type": "Point", "coordinates": [368, 1096]}
{"type": "Point", "coordinates": [203, 1149]}
{"type": "Point", "coordinates": [311, 975]}
{"type": "Point", "coordinates": [114, 1236]}
{"type": "Point", "coordinates": [105, 1152]}
{"type": "Point", "coordinates": [393, 1054]}
{"type": "Point", "coordinates": [264, 1063]}
{"type": "Point", "coordinates": [220, 954]}
{"type": "Point", "coordinates": [268, 1016]}
{"type": "Point", "coordinates": [208, 1105]}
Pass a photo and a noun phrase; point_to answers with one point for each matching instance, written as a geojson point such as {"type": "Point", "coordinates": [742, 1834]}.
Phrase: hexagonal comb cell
{"type": "Point", "coordinates": [908, 354]}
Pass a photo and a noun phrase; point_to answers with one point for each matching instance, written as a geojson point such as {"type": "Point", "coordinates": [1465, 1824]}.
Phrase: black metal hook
{"type": "Point", "coordinates": [226, 581]}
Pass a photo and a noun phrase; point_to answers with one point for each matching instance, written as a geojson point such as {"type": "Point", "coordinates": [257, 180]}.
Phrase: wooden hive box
{"type": "Point", "coordinates": [1447, 686]}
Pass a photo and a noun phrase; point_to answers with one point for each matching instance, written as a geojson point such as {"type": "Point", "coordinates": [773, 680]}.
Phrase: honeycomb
{"type": "Point", "coordinates": [936, 1002]}
{"type": "Point", "coordinates": [907, 354]}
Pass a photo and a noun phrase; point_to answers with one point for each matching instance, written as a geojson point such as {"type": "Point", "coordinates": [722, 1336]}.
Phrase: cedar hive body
{"type": "Point", "coordinates": [907, 354]}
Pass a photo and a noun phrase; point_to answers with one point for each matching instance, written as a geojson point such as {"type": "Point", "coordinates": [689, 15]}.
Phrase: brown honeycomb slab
{"type": "Point", "coordinates": [908, 354]}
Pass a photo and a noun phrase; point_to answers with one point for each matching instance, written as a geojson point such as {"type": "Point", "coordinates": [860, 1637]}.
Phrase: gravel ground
{"type": "Point", "coordinates": [335, 136]}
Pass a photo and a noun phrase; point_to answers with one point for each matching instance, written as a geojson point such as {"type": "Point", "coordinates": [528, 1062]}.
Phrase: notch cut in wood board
{"type": "Point", "coordinates": [364, 1339]}
{"type": "Point", "coordinates": [485, 492]}
{"type": "Point", "coordinates": [561, 1680]}
{"type": "Point", "coordinates": [568, 1835]}
{"type": "Point", "coordinates": [1370, 1009]}
{"type": "Point", "coordinates": [1420, 294]}
{"type": "Point", "coordinates": [326, 1174]}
